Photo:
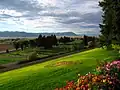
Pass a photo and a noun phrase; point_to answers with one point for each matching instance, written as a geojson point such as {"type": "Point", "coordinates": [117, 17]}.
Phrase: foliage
{"type": "Point", "coordinates": [78, 46]}
{"type": "Point", "coordinates": [46, 41]}
{"type": "Point", "coordinates": [21, 44]}
{"type": "Point", "coordinates": [32, 43]}
{"type": "Point", "coordinates": [16, 45]}
{"type": "Point", "coordinates": [7, 51]}
{"type": "Point", "coordinates": [91, 44]}
{"type": "Point", "coordinates": [33, 56]}
{"type": "Point", "coordinates": [89, 41]}
{"type": "Point", "coordinates": [116, 47]}
{"type": "Point", "coordinates": [65, 40]}
{"type": "Point", "coordinates": [110, 27]}
{"type": "Point", "coordinates": [106, 77]}
{"type": "Point", "coordinates": [85, 40]}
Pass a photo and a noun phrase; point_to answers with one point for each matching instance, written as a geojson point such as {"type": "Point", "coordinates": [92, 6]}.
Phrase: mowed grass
{"type": "Point", "coordinates": [15, 56]}
{"type": "Point", "coordinates": [49, 75]}
{"type": "Point", "coordinates": [23, 55]}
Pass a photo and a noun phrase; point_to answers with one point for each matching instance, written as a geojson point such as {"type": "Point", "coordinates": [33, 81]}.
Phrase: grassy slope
{"type": "Point", "coordinates": [40, 77]}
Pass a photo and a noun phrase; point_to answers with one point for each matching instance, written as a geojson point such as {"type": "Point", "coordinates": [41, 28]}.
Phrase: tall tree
{"type": "Point", "coordinates": [16, 45]}
{"type": "Point", "coordinates": [116, 32]}
{"type": "Point", "coordinates": [108, 24]}
{"type": "Point", "coordinates": [85, 40]}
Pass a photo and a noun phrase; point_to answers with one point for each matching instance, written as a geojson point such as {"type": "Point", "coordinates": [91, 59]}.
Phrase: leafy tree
{"type": "Point", "coordinates": [16, 45]}
{"type": "Point", "coordinates": [65, 40]}
{"type": "Point", "coordinates": [39, 41]}
{"type": "Point", "coordinates": [22, 46]}
{"type": "Point", "coordinates": [32, 43]}
{"type": "Point", "coordinates": [46, 42]}
{"type": "Point", "coordinates": [26, 43]}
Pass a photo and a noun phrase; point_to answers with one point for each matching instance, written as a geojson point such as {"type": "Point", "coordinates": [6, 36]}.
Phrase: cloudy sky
{"type": "Point", "coordinates": [79, 16]}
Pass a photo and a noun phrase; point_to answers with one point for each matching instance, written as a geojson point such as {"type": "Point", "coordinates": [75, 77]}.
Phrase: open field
{"type": "Point", "coordinates": [3, 47]}
{"type": "Point", "coordinates": [54, 73]}
{"type": "Point", "coordinates": [14, 56]}
{"type": "Point", "coordinates": [23, 55]}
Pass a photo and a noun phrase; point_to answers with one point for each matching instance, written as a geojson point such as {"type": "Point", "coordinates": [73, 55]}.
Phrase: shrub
{"type": "Point", "coordinates": [91, 44]}
{"type": "Point", "coordinates": [33, 56]}
{"type": "Point", "coordinates": [76, 46]}
{"type": "Point", "coordinates": [7, 51]}
{"type": "Point", "coordinates": [116, 47]}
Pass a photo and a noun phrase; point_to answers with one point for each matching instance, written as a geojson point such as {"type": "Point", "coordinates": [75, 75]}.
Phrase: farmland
{"type": "Point", "coordinates": [23, 55]}
{"type": "Point", "coordinates": [20, 55]}
{"type": "Point", "coordinates": [3, 47]}
{"type": "Point", "coordinates": [54, 73]}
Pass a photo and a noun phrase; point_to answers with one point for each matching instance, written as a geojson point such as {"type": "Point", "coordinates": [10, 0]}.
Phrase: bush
{"type": "Point", "coordinates": [116, 47]}
{"type": "Point", "coordinates": [7, 51]}
{"type": "Point", "coordinates": [82, 46]}
{"type": "Point", "coordinates": [76, 47]}
{"type": "Point", "coordinates": [91, 44]}
{"type": "Point", "coordinates": [33, 56]}
{"type": "Point", "coordinates": [105, 77]}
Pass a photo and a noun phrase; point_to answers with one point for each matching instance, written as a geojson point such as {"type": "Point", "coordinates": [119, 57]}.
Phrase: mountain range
{"type": "Point", "coordinates": [25, 34]}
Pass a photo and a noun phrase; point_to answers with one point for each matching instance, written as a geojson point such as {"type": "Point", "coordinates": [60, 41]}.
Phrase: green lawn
{"type": "Point", "coordinates": [15, 56]}
{"type": "Point", "coordinates": [23, 55]}
{"type": "Point", "coordinates": [47, 75]}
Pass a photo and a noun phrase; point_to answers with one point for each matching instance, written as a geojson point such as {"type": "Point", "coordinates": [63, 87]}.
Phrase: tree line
{"type": "Point", "coordinates": [49, 41]}
{"type": "Point", "coordinates": [42, 41]}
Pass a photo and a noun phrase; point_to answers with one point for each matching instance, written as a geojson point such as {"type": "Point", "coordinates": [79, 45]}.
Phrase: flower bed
{"type": "Point", "coordinates": [105, 77]}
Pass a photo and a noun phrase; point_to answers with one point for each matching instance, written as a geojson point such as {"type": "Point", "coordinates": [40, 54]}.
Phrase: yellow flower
{"type": "Point", "coordinates": [89, 88]}
{"type": "Point", "coordinates": [88, 85]}
{"type": "Point", "coordinates": [104, 80]}
{"type": "Point", "coordinates": [78, 74]}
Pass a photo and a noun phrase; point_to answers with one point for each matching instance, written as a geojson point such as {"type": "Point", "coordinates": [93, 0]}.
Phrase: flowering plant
{"type": "Point", "coordinates": [106, 78]}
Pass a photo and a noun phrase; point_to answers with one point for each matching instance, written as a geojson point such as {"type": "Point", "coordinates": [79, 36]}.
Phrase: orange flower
{"type": "Point", "coordinates": [78, 88]}
{"type": "Point", "coordinates": [57, 89]}
{"type": "Point", "coordinates": [85, 81]}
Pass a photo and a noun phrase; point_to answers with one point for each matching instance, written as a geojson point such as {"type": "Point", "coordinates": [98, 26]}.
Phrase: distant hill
{"type": "Point", "coordinates": [25, 34]}
{"type": "Point", "coordinates": [88, 34]}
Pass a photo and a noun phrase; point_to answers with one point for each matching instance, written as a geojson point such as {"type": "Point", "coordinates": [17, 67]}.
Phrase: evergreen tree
{"type": "Point", "coordinates": [85, 40]}
{"type": "Point", "coordinates": [108, 24]}
{"type": "Point", "coordinates": [116, 32]}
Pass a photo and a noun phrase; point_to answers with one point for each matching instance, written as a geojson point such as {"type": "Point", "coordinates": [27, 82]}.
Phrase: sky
{"type": "Point", "coordinates": [78, 16]}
